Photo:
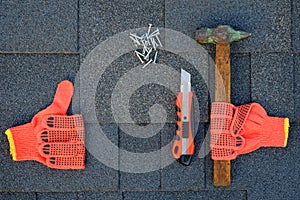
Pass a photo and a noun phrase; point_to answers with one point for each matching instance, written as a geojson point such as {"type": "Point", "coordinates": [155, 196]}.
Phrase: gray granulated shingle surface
{"type": "Point", "coordinates": [130, 126]}
{"type": "Point", "coordinates": [140, 182]}
{"type": "Point", "coordinates": [297, 86]}
{"type": "Point", "coordinates": [272, 83]}
{"type": "Point", "coordinates": [99, 195]}
{"type": "Point", "coordinates": [186, 195]}
{"type": "Point", "coordinates": [29, 81]}
{"type": "Point", "coordinates": [138, 141]}
{"type": "Point", "coordinates": [101, 19]}
{"type": "Point", "coordinates": [38, 26]}
{"type": "Point", "coordinates": [116, 101]}
{"type": "Point", "coordinates": [33, 176]}
{"type": "Point", "coordinates": [295, 27]}
{"type": "Point", "coordinates": [58, 196]}
{"type": "Point", "coordinates": [18, 195]}
{"type": "Point", "coordinates": [240, 79]}
{"type": "Point", "coordinates": [267, 21]}
{"type": "Point", "coordinates": [175, 176]}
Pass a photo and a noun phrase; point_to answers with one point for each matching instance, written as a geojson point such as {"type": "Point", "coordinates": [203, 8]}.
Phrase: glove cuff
{"type": "Point", "coordinates": [286, 130]}
{"type": "Point", "coordinates": [22, 142]}
{"type": "Point", "coordinates": [12, 148]}
{"type": "Point", "coordinates": [275, 132]}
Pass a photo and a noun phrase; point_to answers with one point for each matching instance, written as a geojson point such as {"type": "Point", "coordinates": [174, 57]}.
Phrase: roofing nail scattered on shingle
{"type": "Point", "coordinates": [148, 43]}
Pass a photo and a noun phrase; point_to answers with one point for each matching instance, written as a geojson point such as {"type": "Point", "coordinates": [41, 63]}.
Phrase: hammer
{"type": "Point", "coordinates": [222, 36]}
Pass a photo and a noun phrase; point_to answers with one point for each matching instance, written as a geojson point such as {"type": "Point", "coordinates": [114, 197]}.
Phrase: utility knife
{"type": "Point", "coordinates": [183, 145]}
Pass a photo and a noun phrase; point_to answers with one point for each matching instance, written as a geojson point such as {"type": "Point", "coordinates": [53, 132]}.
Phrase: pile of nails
{"type": "Point", "coordinates": [147, 46]}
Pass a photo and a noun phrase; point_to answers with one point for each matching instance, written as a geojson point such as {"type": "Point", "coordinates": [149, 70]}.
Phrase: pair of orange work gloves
{"type": "Point", "coordinates": [242, 129]}
{"type": "Point", "coordinates": [57, 140]}
{"type": "Point", "coordinates": [51, 138]}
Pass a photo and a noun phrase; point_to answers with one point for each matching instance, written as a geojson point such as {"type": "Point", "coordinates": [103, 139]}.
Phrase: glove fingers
{"type": "Point", "coordinates": [221, 117]}
{"type": "Point", "coordinates": [248, 117]}
{"type": "Point", "coordinates": [240, 118]}
{"type": "Point", "coordinates": [55, 135]}
{"type": "Point", "coordinates": [220, 124]}
{"type": "Point", "coordinates": [66, 149]}
{"type": "Point", "coordinates": [223, 154]}
{"type": "Point", "coordinates": [63, 122]}
{"type": "Point", "coordinates": [61, 129]}
{"type": "Point", "coordinates": [222, 109]}
{"type": "Point", "coordinates": [76, 162]}
{"type": "Point", "coordinates": [221, 141]}
{"type": "Point", "coordinates": [226, 147]}
{"type": "Point", "coordinates": [225, 140]}
{"type": "Point", "coordinates": [62, 141]}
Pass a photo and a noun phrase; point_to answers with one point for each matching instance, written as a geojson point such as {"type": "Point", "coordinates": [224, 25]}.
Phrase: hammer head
{"type": "Point", "coordinates": [223, 34]}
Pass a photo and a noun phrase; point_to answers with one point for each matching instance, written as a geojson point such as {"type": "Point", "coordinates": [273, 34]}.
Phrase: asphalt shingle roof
{"type": "Point", "coordinates": [45, 42]}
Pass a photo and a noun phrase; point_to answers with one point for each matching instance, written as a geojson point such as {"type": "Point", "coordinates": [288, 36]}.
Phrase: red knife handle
{"type": "Point", "coordinates": [183, 131]}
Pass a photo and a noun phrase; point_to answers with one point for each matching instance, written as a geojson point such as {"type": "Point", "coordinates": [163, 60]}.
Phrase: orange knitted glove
{"type": "Point", "coordinates": [243, 129]}
{"type": "Point", "coordinates": [52, 137]}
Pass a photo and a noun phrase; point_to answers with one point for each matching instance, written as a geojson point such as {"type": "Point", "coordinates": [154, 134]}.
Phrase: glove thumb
{"type": "Point", "coordinates": [62, 99]}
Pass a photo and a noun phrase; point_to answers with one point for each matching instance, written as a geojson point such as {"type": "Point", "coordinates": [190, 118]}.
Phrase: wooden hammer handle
{"type": "Point", "coordinates": [222, 94]}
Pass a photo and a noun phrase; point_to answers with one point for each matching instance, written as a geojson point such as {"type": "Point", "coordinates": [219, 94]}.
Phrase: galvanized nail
{"type": "Point", "coordinates": [138, 54]}
{"type": "Point", "coordinates": [158, 40]}
{"type": "Point", "coordinates": [149, 28]}
{"type": "Point", "coordinates": [155, 57]}
{"type": "Point", "coordinates": [147, 63]}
